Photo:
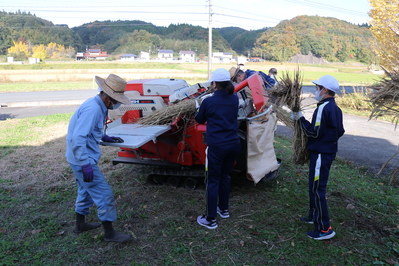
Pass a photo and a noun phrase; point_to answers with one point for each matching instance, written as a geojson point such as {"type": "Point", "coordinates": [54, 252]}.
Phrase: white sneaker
{"type": "Point", "coordinates": [224, 213]}
{"type": "Point", "coordinates": [201, 220]}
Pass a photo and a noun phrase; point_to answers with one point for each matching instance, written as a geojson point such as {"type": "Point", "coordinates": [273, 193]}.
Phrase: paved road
{"type": "Point", "coordinates": [367, 143]}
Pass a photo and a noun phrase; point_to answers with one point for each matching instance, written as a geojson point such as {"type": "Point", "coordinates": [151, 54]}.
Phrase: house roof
{"type": "Point", "coordinates": [128, 55]}
{"type": "Point", "coordinates": [186, 52]}
{"type": "Point", "coordinates": [165, 51]}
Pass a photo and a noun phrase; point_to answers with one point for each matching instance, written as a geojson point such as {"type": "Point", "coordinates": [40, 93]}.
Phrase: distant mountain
{"type": "Point", "coordinates": [242, 41]}
{"type": "Point", "coordinates": [324, 37]}
{"type": "Point", "coordinates": [328, 38]}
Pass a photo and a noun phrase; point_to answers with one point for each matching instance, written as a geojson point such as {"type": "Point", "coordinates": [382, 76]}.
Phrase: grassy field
{"type": "Point", "coordinates": [37, 195]}
{"type": "Point", "coordinates": [79, 75]}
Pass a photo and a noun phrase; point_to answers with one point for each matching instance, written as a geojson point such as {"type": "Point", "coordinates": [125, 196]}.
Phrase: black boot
{"type": "Point", "coordinates": [111, 235]}
{"type": "Point", "coordinates": [81, 226]}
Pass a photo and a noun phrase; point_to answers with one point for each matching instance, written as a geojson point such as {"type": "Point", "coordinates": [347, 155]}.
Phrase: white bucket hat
{"type": "Point", "coordinates": [328, 82]}
{"type": "Point", "coordinates": [219, 75]}
{"type": "Point", "coordinates": [114, 86]}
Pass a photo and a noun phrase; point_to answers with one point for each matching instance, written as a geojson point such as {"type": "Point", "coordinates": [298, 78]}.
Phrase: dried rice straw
{"type": "Point", "coordinates": [287, 92]}
{"type": "Point", "coordinates": [167, 115]}
{"type": "Point", "coordinates": [385, 101]}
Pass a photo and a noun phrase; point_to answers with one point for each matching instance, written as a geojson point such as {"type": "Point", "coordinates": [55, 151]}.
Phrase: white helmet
{"type": "Point", "coordinates": [328, 82]}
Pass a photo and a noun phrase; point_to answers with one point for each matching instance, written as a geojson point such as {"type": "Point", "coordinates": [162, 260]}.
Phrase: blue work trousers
{"type": "Point", "coordinates": [220, 162]}
{"type": "Point", "coordinates": [319, 170]}
{"type": "Point", "coordinates": [96, 192]}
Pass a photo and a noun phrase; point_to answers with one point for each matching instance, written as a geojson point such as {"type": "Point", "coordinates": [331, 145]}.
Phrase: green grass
{"type": "Point", "coordinates": [37, 213]}
{"type": "Point", "coordinates": [45, 86]}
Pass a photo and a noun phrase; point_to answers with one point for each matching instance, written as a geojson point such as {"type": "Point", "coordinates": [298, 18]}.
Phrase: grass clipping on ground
{"type": "Point", "coordinates": [287, 92]}
{"type": "Point", "coordinates": [385, 102]}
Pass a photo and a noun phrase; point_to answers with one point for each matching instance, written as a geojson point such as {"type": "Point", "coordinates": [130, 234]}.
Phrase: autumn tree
{"type": "Point", "coordinates": [20, 50]}
{"type": "Point", "coordinates": [385, 27]}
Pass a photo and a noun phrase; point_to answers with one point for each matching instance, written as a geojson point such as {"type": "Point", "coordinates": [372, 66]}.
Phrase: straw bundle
{"type": "Point", "coordinates": [385, 98]}
{"type": "Point", "coordinates": [168, 114]}
{"type": "Point", "coordinates": [385, 101]}
{"type": "Point", "coordinates": [287, 92]}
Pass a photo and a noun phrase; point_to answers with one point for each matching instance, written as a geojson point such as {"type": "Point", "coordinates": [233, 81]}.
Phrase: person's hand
{"type": "Point", "coordinates": [296, 115]}
{"type": "Point", "coordinates": [88, 173]}
{"type": "Point", "coordinates": [107, 138]}
{"type": "Point", "coordinates": [197, 105]}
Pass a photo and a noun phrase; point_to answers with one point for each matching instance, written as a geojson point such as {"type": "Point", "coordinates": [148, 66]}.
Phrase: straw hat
{"type": "Point", "coordinates": [114, 86]}
{"type": "Point", "coordinates": [233, 72]}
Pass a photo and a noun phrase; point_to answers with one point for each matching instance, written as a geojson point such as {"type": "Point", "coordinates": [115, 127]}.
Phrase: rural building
{"type": "Point", "coordinates": [144, 55]}
{"type": "Point", "coordinates": [128, 57]}
{"type": "Point", "coordinates": [187, 56]}
{"type": "Point", "coordinates": [165, 54]}
{"type": "Point", "coordinates": [221, 57]}
{"type": "Point", "coordinates": [92, 54]}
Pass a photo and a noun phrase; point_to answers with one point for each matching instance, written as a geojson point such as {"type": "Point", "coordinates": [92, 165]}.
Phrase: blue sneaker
{"type": "Point", "coordinates": [201, 220]}
{"type": "Point", "coordinates": [223, 213]}
{"type": "Point", "coordinates": [306, 220]}
{"type": "Point", "coordinates": [321, 234]}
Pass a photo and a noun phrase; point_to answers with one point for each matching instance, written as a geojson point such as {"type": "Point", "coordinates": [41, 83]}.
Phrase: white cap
{"type": "Point", "coordinates": [220, 74]}
{"type": "Point", "coordinates": [328, 82]}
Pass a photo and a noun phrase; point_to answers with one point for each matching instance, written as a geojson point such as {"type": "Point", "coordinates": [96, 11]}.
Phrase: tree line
{"type": "Point", "coordinates": [330, 38]}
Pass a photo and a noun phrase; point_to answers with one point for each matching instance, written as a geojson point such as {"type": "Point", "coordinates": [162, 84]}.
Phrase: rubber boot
{"type": "Point", "coordinates": [110, 235]}
{"type": "Point", "coordinates": [81, 226]}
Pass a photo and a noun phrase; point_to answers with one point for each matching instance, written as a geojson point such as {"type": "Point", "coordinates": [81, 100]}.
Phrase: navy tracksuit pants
{"type": "Point", "coordinates": [220, 162]}
{"type": "Point", "coordinates": [319, 169]}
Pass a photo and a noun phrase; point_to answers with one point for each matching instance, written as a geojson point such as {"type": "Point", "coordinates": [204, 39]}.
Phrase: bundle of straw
{"type": "Point", "coordinates": [287, 92]}
{"type": "Point", "coordinates": [385, 101]}
{"type": "Point", "coordinates": [385, 98]}
{"type": "Point", "coordinates": [167, 115]}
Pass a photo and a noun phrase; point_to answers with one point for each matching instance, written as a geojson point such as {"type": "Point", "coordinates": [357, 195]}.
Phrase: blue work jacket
{"type": "Point", "coordinates": [220, 112]}
{"type": "Point", "coordinates": [85, 131]}
{"type": "Point", "coordinates": [266, 78]}
{"type": "Point", "coordinates": [326, 127]}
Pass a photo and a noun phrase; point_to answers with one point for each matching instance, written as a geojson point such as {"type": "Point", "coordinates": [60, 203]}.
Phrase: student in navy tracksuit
{"type": "Point", "coordinates": [323, 134]}
{"type": "Point", "coordinates": [219, 112]}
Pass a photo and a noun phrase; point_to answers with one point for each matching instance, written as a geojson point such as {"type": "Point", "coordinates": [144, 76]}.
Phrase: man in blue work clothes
{"type": "Point", "coordinates": [323, 134]}
{"type": "Point", "coordinates": [85, 132]}
{"type": "Point", "coordinates": [238, 75]}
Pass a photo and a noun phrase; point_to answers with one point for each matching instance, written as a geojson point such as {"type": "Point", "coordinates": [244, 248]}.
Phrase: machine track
{"type": "Point", "coordinates": [190, 179]}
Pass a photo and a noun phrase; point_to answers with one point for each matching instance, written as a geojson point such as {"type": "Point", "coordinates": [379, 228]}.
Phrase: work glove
{"type": "Point", "coordinates": [107, 138]}
{"type": "Point", "coordinates": [88, 173]}
{"type": "Point", "coordinates": [197, 105]}
{"type": "Point", "coordinates": [296, 115]}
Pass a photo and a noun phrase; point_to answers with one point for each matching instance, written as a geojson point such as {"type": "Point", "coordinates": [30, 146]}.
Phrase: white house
{"type": "Point", "coordinates": [187, 56]}
{"type": "Point", "coordinates": [220, 57]}
{"type": "Point", "coordinates": [165, 54]}
{"type": "Point", "coordinates": [144, 55]}
{"type": "Point", "coordinates": [128, 57]}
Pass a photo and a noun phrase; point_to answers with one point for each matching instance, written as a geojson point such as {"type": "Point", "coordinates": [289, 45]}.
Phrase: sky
{"type": "Point", "coordinates": [246, 14]}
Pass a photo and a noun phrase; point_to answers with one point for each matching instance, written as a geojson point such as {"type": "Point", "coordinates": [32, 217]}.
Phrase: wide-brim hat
{"type": "Point", "coordinates": [114, 86]}
{"type": "Point", "coordinates": [233, 72]}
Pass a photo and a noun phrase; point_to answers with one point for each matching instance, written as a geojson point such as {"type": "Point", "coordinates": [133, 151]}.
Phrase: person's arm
{"type": "Point", "coordinates": [84, 126]}
{"type": "Point", "coordinates": [200, 116]}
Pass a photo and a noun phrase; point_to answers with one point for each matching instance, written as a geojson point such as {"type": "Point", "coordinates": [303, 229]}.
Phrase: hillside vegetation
{"type": "Point", "coordinates": [330, 38]}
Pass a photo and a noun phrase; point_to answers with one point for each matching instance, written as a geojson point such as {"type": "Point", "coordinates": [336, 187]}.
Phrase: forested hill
{"type": "Point", "coordinates": [241, 41]}
{"type": "Point", "coordinates": [26, 27]}
{"type": "Point", "coordinates": [133, 36]}
{"type": "Point", "coordinates": [330, 38]}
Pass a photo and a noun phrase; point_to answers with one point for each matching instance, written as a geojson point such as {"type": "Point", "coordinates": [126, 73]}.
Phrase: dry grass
{"type": "Point", "coordinates": [288, 92]}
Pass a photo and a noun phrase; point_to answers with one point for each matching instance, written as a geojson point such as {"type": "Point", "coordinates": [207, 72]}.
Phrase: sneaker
{"type": "Point", "coordinates": [201, 220]}
{"type": "Point", "coordinates": [224, 213]}
{"type": "Point", "coordinates": [306, 220]}
{"type": "Point", "coordinates": [321, 234]}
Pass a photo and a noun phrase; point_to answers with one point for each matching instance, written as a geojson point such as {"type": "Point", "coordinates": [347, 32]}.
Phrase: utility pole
{"type": "Point", "coordinates": [210, 41]}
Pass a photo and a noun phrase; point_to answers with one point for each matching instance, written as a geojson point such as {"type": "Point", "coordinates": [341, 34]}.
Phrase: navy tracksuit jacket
{"type": "Point", "coordinates": [323, 134]}
{"type": "Point", "coordinates": [219, 112]}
